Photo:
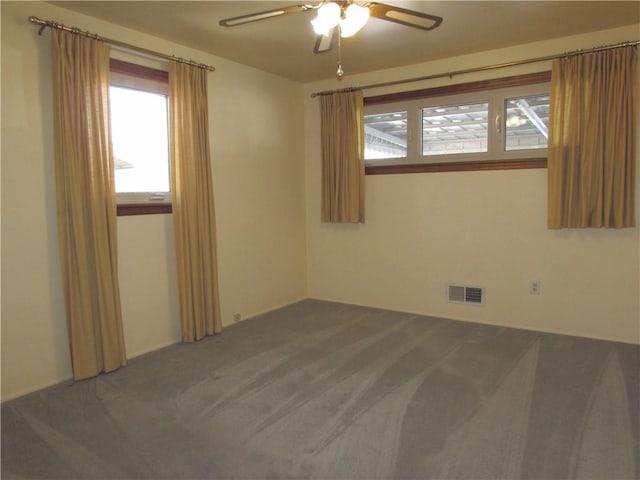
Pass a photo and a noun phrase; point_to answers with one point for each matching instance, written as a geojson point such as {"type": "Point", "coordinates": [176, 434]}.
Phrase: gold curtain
{"type": "Point", "coordinates": [342, 137]}
{"type": "Point", "coordinates": [193, 209]}
{"type": "Point", "coordinates": [591, 155]}
{"type": "Point", "coordinates": [86, 204]}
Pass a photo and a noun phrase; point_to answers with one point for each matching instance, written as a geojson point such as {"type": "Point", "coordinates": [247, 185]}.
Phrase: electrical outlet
{"type": "Point", "coordinates": [534, 287]}
{"type": "Point", "coordinates": [236, 317]}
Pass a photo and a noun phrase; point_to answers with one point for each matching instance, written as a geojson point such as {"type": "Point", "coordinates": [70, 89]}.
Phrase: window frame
{"type": "Point", "coordinates": [459, 93]}
{"type": "Point", "coordinates": [125, 74]}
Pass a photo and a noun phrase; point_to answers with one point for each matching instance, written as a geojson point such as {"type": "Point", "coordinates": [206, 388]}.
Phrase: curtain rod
{"type": "Point", "coordinates": [51, 24]}
{"type": "Point", "coordinates": [479, 69]}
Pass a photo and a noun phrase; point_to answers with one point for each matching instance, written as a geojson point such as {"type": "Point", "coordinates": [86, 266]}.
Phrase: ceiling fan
{"type": "Point", "coordinates": [336, 19]}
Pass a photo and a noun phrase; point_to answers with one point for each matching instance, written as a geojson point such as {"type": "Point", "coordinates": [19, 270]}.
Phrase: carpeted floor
{"type": "Point", "coordinates": [329, 391]}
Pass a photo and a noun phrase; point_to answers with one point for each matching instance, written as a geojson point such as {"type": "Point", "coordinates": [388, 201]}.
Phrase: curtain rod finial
{"type": "Point", "coordinates": [37, 21]}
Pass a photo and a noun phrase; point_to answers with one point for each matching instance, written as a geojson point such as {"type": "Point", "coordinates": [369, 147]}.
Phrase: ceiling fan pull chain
{"type": "Point", "coordinates": [340, 71]}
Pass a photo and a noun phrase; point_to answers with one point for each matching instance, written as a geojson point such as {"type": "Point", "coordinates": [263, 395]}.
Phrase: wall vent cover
{"type": "Point", "coordinates": [465, 294]}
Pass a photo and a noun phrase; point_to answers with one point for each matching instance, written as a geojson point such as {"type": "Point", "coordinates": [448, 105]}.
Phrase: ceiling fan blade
{"type": "Point", "coordinates": [324, 43]}
{"type": "Point", "coordinates": [410, 18]}
{"type": "Point", "coordinates": [254, 17]}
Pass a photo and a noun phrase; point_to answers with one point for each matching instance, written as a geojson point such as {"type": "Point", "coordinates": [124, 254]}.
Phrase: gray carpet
{"type": "Point", "coordinates": [329, 391]}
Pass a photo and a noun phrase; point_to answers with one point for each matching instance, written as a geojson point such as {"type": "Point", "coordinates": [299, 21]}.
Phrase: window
{"type": "Point", "coordinates": [526, 122]}
{"type": "Point", "coordinates": [139, 133]}
{"type": "Point", "coordinates": [386, 135]}
{"type": "Point", "coordinates": [501, 121]}
{"type": "Point", "coordinates": [455, 129]}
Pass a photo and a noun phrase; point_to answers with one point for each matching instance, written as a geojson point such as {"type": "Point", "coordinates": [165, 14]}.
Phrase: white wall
{"type": "Point", "coordinates": [257, 151]}
{"type": "Point", "coordinates": [488, 229]}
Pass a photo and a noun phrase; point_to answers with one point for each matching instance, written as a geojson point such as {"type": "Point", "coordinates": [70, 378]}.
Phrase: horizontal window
{"type": "Point", "coordinates": [474, 125]}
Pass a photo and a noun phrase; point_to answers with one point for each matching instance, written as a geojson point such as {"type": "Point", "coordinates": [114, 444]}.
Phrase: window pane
{"type": "Point", "coordinates": [526, 122]}
{"type": "Point", "coordinates": [139, 133]}
{"type": "Point", "coordinates": [385, 135]}
{"type": "Point", "coordinates": [455, 129]}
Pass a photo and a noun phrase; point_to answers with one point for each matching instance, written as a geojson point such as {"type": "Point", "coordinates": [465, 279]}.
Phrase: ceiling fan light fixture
{"type": "Point", "coordinates": [328, 17]}
{"type": "Point", "coordinates": [355, 18]}
{"type": "Point", "coordinates": [347, 15]}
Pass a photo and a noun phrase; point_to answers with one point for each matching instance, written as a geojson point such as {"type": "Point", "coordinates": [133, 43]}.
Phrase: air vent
{"type": "Point", "coordinates": [464, 294]}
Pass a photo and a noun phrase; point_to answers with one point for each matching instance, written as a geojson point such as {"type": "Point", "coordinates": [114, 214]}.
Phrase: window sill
{"type": "Point", "coordinates": [457, 166]}
{"type": "Point", "coordinates": [127, 209]}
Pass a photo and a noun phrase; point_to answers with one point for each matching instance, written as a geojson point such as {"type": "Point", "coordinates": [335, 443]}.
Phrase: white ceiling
{"type": "Point", "coordinates": [284, 45]}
